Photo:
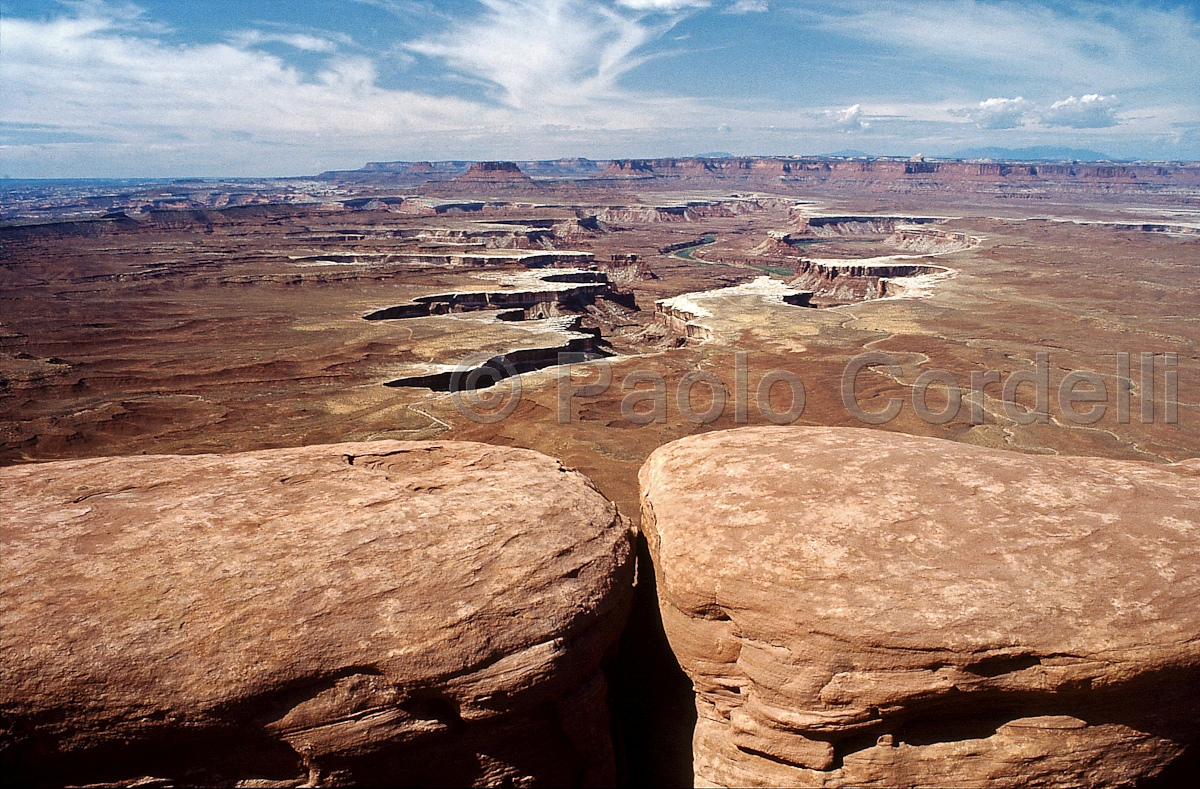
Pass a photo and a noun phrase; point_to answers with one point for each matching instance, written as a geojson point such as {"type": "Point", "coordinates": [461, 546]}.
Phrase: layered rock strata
{"type": "Point", "coordinates": [859, 608]}
{"type": "Point", "coordinates": [383, 613]}
{"type": "Point", "coordinates": [506, 174]}
{"type": "Point", "coordinates": [890, 173]}
{"type": "Point", "coordinates": [704, 315]}
{"type": "Point", "coordinates": [571, 288]}
{"type": "Point", "coordinates": [860, 280]}
{"type": "Point", "coordinates": [690, 211]}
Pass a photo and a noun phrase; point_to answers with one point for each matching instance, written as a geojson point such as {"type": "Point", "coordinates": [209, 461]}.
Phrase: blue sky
{"type": "Point", "coordinates": [94, 88]}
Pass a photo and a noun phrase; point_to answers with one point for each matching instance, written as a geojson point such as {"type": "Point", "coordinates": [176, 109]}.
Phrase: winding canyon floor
{"type": "Point", "coordinates": [227, 331]}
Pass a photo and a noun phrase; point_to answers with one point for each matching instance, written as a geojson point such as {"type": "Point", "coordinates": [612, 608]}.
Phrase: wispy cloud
{"type": "Point", "coordinates": [748, 7]}
{"type": "Point", "coordinates": [303, 41]}
{"type": "Point", "coordinates": [552, 53]}
{"type": "Point", "coordinates": [663, 5]}
{"type": "Point", "coordinates": [1116, 45]}
{"type": "Point", "coordinates": [554, 65]}
{"type": "Point", "coordinates": [101, 72]}
{"type": "Point", "coordinates": [531, 78]}
{"type": "Point", "coordinates": [102, 75]}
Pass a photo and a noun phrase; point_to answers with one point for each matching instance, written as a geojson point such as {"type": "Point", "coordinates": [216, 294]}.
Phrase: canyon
{"type": "Point", "coordinates": [501, 349]}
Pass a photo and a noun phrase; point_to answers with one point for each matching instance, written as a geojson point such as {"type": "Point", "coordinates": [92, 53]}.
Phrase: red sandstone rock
{"type": "Point", "coordinates": [861, 608]}
{"type": "Point", "coordinates": [380, 613]}
{"type": "Point", "coordinates": [628, 167]}
{"type": "Point", "coordinates": [494, 173]}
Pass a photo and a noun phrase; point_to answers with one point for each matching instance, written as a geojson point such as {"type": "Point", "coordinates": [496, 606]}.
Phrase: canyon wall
{"type": "Point", "coordinates": [851, 281]}
{"type": "Point", "coordinates": [819, 169]}
{"type": "Point", "coordinates": [682, 319]}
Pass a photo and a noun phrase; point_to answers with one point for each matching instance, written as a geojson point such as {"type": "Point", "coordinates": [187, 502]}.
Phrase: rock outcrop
{"type": "Point", "coordinates": [860, 608]}
{"type": "Point", "coordinates": [638, 168]}
{"type": "Point", "coordinates": [860, 280]}
{"type": "Point", "coordinates": [842, 226]}
{"type": "Point", "coordinates": [501, 174]}
{"type": "Point", "coordinates": [705, 315]}
{"type": "Point", "coordinates": [891, 174]}
{"type": "Point", "coordinates": [570, 288]}
{"type": "Point", "coordinates": [691, 211]}
{"type": "Point", "coordinates": [382, 613]}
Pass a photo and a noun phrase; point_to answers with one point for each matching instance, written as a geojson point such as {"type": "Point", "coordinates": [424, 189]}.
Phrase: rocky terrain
{"type": "Point", "coordinates": [884, 610]}
{"type": "Point", "coordinates": [935, 180]}
{"type": "Point", "coordinates": [375, 613]}
{"type": "Point", "coordinates": [594, 317]}
{"type": "Point", "coordinates": [493, 174]}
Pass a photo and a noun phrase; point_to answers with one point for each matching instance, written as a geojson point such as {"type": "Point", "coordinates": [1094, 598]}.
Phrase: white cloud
{"type": "Point", "coordinates": [301, 41]}
{"type": "Point", "coordinates": [93, 74]}
{"type": "Point", "coordinates": [118, 14]}
{"type": "Point", "coordinates": [546, 53]}
{"type": "Point", "coordinates": [1062, 46]}
{"type": "Point", "coordinates": [145, 101]}
{"type": "Point", "coordinates": [849, 119]}
{"type": "Point", "coordinates": [1092, 111]}
{"type": "Point", "coordinates": [662, 5]}
{"type": "Point", "coordinates": [748, 7]}
{"type": "Point", "coordinates": [110, 91]}
{"type": "Point", "coordinates": [998, 113]}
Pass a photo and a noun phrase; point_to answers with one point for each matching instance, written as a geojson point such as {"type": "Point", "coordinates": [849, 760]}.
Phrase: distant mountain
{"type": "Point", "coordinates": [715, 155]}
{"type": "Point", "coordinates": [569, 166]}
{"type": "Point", "coordinates": [848, 153]}
{"type": "Point", "coordinates": [1037, 153]}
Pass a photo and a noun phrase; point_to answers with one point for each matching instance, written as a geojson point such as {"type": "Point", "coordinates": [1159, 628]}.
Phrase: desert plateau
{"type": "Point", "coordinates": [606, 393]}
{"type": "Point", "coordinates": [595, 319]}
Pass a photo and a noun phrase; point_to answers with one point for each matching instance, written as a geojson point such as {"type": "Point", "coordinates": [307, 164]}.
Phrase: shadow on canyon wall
{"type": "Point", "coordinates": [651, 699]}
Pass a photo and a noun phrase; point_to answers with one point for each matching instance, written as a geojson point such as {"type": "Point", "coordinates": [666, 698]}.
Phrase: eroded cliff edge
{"type": "Point", "coordinates": [860, 608]}
{"type": "Point", "coordinates": [420, 613]}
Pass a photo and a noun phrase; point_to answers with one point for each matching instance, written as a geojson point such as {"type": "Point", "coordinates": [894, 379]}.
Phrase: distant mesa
{"type": "Point", "coordinates": [629, 167]}
{"type": "Point", "coordinates": [1039, 153]}
{"type": "Point", "coordinates": [430, 171]}
{"type": "Point", "coordinates": [691, 166]}
{"type": "Point", "coordinates": [399, 172]}
{"type": "Point", "coordinates": [567, 167]}
{"type": "Point", "coordinates": [1027, 173]}
{"type": "Point", "coordinates": [392, 167]}
{"type": "Point", "coordinates": [494, 173]}
{"type": "Point", "coordinates": [490, 168]}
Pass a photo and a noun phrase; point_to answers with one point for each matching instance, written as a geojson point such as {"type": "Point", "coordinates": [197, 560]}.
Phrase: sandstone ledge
{"type": "Point", "coordinates": [382, 613]}
{"type": "Point", "coordinates": [861, 608]}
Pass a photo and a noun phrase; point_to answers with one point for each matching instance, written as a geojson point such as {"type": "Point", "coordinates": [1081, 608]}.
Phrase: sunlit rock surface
{"type": "Point", "coordinates": [375, 613]}
{"type": "Point", "coordinates": [860, 608]}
